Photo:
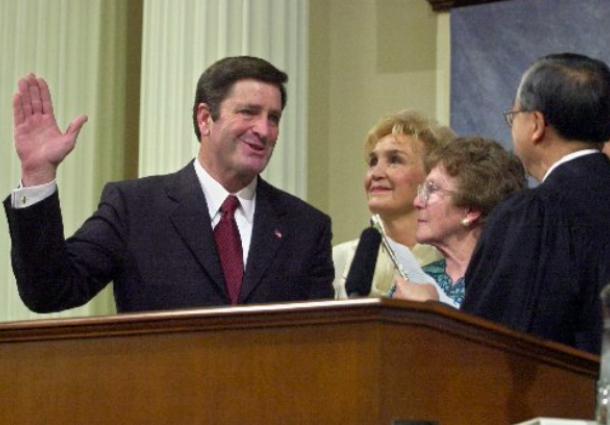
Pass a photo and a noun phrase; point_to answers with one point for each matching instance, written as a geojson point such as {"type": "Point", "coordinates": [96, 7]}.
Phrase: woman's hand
{"type": "Point", "coordinates": [407, 290]}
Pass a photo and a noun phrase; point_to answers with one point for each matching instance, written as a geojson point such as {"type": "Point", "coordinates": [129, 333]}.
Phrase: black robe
{"type": "Point", "coordinates": [544, 256]}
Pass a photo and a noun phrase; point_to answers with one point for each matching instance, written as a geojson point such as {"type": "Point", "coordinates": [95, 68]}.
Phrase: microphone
{"type": "Point", "coordinates": [378, 224]}
{"type": "Point", "coordinates": [360, 275]}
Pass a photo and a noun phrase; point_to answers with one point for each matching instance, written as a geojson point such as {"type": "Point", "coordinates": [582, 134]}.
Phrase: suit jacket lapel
{"type": "Point", "coordinates": [268, 234]}
{"type": "Point", "coordinates": [192, 222]}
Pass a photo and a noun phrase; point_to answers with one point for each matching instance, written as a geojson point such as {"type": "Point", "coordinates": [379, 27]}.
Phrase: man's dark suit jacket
{"type": "Point", "coordinates": [544, 256]}
{"type": "Point", "coordinates": [153, 238]}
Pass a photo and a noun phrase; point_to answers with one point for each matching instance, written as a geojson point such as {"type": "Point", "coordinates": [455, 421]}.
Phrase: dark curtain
{"type": "Point", "coordinates": [493, 44]}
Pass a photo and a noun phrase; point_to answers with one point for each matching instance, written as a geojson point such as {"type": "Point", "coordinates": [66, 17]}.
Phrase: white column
{"type": "Point", "coordinates": [182, 38]}
{"type": "Point", "coordinates": [75, 45]}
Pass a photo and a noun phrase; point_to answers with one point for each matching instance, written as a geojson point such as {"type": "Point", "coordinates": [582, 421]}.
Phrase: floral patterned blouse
{"type": "Point", "coordinates": [455, 291]}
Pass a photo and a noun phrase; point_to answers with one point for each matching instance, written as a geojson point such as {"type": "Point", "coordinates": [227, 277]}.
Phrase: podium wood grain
{"type": "Point", "coordinates": [364, 361]}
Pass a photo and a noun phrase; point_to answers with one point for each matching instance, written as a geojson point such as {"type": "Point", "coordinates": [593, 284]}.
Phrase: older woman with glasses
{"type": "Point", "coordinates": [466, 180]}
{"type": "Point", "coordinates": [395, 150]}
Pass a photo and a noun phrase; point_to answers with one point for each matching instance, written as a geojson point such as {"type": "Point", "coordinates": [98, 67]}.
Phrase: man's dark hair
{"type": "Point", "coordinates": [216, 82]}
{"type": "Point", "coordinates": [572, 91]}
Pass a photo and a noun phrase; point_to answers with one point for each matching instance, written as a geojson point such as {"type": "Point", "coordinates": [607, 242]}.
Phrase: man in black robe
{"type": "Point", "coordinates": [545, 253]}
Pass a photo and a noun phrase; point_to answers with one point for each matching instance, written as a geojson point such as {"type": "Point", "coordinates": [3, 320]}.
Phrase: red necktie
{"type": "Point", "coordinates": [228, 243]}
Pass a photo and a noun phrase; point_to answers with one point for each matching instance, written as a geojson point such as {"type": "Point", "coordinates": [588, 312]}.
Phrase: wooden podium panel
{"type": "Point", "coordinates": [366, 361]}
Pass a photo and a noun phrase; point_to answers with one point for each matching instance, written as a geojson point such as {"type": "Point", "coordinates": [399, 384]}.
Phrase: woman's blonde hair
{"type": "Point", "coordinates": [411, 123]}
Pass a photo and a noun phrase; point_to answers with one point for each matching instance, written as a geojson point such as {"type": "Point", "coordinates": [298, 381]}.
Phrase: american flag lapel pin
{"type": "Point", "coordinates": [278, 234]}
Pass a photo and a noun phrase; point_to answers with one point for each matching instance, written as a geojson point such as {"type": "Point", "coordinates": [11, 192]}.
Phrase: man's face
{"type": "Point", "coordinates": [520, 135]}
{"type": "Point", "coordinates": [237, 146]}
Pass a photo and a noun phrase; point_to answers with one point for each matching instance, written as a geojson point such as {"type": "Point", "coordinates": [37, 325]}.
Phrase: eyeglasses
{"type": "Point", "coordinates": [509, 116]}
{"type": "Point", "coordinates": [426, 190]}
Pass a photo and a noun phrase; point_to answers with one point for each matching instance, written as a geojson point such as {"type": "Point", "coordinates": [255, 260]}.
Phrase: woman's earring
{"type": "Point", "coordinates": [465, 222]}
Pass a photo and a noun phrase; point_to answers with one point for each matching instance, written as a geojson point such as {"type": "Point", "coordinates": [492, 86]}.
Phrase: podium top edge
{"type": "Point", "coordinates": [334, 312]}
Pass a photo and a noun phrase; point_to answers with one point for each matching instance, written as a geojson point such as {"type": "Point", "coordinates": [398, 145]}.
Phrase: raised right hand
{"type": "Point", "coordinates": [40, 144]}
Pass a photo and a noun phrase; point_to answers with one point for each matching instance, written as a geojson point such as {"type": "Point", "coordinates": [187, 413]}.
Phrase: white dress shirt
{"type": "Point", "coordinates": [215, 195]}
{"type": "Point", "coordinates": [24, 197]}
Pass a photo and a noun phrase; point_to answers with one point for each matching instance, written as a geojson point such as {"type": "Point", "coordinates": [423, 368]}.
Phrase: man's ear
{"type": "Point", "coordinates": [538, 127]}
{"type": "Point", "coordinates": [204, 119]}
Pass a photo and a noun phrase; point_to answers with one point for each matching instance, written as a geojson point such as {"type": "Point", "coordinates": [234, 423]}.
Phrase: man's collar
{"type": "Point", "coordinates": [568, 157]}
{"type": "Point", "coordinates": [215, 193]}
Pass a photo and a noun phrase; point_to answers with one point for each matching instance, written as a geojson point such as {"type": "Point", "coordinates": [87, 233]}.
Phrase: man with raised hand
{"type": "Point", "coordinates": [212, 233]}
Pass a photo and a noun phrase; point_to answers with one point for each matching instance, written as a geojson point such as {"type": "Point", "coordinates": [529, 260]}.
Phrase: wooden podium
{"type": "Point", "coordinates": [367, 361]}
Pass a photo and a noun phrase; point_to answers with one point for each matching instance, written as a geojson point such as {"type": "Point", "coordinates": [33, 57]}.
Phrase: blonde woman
{"type": "Point", "coordinates": [395, 150]}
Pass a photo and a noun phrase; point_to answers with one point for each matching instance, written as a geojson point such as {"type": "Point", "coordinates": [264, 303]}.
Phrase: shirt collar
{"type": "Point", "coordinates": [215, 193]}
{"type": "Point", "coordinates": [569, 157]}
